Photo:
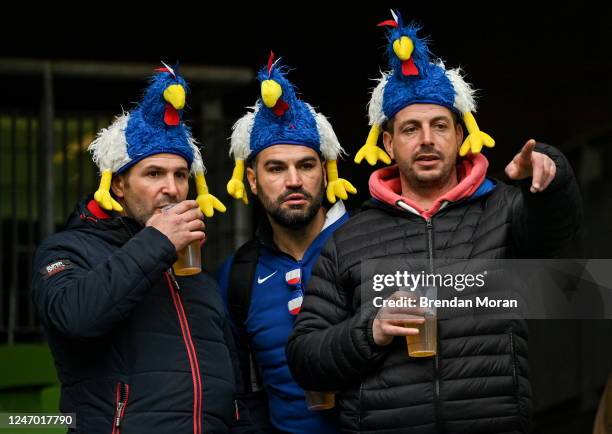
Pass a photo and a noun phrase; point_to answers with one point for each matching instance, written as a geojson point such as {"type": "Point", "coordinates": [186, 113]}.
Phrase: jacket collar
{"type": "Point", "coordinates": [88, 216]}
{"type": "Point", "coordinates": [385, 186]}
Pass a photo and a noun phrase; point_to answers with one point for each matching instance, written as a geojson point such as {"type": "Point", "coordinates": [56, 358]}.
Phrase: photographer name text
{"type": "Point", "coordinates": [455, 302]}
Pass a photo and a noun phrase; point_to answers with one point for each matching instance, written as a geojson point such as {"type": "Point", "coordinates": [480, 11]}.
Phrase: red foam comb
{"type": "Point", "coordinates": [270, 62]}
{"type": "Point", "coordinates": [166, 68]}
{"type": "Point", "coordinates": [390, 23]}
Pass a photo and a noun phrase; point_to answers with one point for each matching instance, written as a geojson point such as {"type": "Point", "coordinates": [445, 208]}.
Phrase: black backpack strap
{"type": "Point", "coordinates": [240, 284]}
{"type": "Point", "coordinates": [240, 281]}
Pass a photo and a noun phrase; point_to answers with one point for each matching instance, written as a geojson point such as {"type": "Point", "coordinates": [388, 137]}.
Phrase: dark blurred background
{"type": "Point", "coordinates": [543, 73]}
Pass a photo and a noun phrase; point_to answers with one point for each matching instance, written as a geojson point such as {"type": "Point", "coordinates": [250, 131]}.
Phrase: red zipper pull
{"type": "Point", "coordinates": [120, 406]}
{"type": "Point", "coordinates": [123, 391]}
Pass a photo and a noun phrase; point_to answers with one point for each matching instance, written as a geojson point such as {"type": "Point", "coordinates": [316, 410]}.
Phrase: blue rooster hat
{"type": "Point", "coordinates": [153, 127]}
{"type": "Point", "coordinates": [414, 78]}
{"type": "Point", "coordinates": [280, 117]}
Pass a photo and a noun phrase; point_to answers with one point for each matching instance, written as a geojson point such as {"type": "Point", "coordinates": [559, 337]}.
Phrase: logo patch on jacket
{"type": "Point", "coordinates": [293, 277]}
{"type": "Point", "coordinates": [55, 267]}
{"type": "Point", "coordinates": [295, 302]}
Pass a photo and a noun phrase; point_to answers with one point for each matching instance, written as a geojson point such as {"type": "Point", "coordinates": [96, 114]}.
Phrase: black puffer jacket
{"type": "Point", "coordinates": [478, 382]}
{"type": "Point", "coordinates": [136, 350]}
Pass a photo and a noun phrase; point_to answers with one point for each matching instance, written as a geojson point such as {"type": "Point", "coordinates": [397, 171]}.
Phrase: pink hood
{"type": "Point", "coordinates": [385, 185]}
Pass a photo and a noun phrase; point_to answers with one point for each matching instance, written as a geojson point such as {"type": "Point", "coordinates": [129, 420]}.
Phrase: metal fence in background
{"type": "Point", "coordinates": [24, 200]}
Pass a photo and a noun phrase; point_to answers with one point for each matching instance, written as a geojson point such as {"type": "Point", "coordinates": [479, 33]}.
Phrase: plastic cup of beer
{"type": "Point", "coordinates": [317, 401]}
{"type": "Point", "coordinates": [425, 344]}
{"type": "Point", "coordinates": [189, 260]}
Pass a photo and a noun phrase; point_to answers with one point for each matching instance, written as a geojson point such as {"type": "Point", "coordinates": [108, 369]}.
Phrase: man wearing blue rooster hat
{"type": "Point", "coordinates": [290, 152]}
{"type": "Point", "coordinates": [435, 203]}
{"type": "Point", "coordinates": [154, 127]}
{"type": "Point", "coordinates": [138, 349]}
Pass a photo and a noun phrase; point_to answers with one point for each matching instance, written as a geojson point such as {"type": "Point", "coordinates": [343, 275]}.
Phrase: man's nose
{"type": "Point", "coordinates": [170, 186]}
{"type": "Point", "coordinates": [293, 178]}
{"type": "Point", "coordinates": [427, 136]}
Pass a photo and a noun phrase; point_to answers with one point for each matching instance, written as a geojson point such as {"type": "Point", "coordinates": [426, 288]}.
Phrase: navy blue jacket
{"type": "Point", "coordinates": [136, 349]}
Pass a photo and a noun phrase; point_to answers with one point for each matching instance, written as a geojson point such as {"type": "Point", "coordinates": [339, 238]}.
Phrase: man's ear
{"type": "Point", "coordinates": [250, 173]}
{"type": "Point", "coordinates": [388, 142]}
{"type": "Point", "coordinates": [459, 134]}
{"type": "Point", "coordinates": [118, 186]}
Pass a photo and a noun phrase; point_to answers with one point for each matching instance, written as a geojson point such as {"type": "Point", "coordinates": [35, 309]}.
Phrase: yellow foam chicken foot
{"type": "Point", "coordinates": [207, 202]}
{"type": "Point", "coordinates": [476, 139]}
{"type": "Point", "coordinates": [337, 187]}
{"type": "Point", "coordinates": [103, 196]}
{"type": "Point", "coordinates": [235, 186]}
{"type": "Point", "coordinates": [370, 151]}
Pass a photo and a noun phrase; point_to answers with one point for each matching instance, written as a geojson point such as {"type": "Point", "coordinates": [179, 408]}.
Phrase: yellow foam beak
{"type": "Point", "coordinates": [270, 92]}
{"type": "Point", "coordinates": [403, 48]}
{"type": "Point", "coordinates": [175, 95]}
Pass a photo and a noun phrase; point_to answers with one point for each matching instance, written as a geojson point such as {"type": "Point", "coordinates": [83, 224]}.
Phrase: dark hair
{"type": "Point", "coordinates": [387, 125]}
{"type": "Point", "coordinates": [251, 163]}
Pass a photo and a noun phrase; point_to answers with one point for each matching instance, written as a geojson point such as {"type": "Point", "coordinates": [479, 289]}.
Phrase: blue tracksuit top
{"type": "Point", "coordinates": [269, 324]}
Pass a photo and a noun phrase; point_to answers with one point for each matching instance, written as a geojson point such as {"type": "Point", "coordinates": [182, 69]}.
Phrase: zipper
{"type": "Point", "coordinates": [437, 407]}
{"type": "Point", "coordinates": [359, 414]}
{"type": "Point", "coordinates": [436, 367]}
{"type": "Point", "coordinates": [122, 393]}
{"type": "Point", "coordinates": [430, 254]}
{"type": "Point", "coordinates": [513, 356]}
{"type": "Point", "coordinates": [191, 351]}
{"type": "Point", "coordinates": [514, 371]}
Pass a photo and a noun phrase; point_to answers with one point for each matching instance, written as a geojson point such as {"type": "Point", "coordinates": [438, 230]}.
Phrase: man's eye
{"type": "Point", "coordinates": [275, 169]}
{"type": "Point", "coordinates": [308, 166]}
{"type": "Point", "coordinates": [409, 130]}
{"type": "Point", "coordinates": [153, 174]}
{"type": "Point", "coordinates": [440, 126]}
{"type": "Point", "coordinates": [181, 175]}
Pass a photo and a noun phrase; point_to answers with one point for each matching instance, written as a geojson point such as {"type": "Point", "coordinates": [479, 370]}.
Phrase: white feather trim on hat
{"type": "Point", "coordinates": [197, 166]}
{"type": "Point", "coordinates": [464, 94]}
{"type": "Point", "coordinates": [109, 148]}
{"type": "Point", "coordinates": [240, 143]}
{"type": "Point", "coordinates": [375, 106]}
{"type": "Point", "coordinates": [329, 145]}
